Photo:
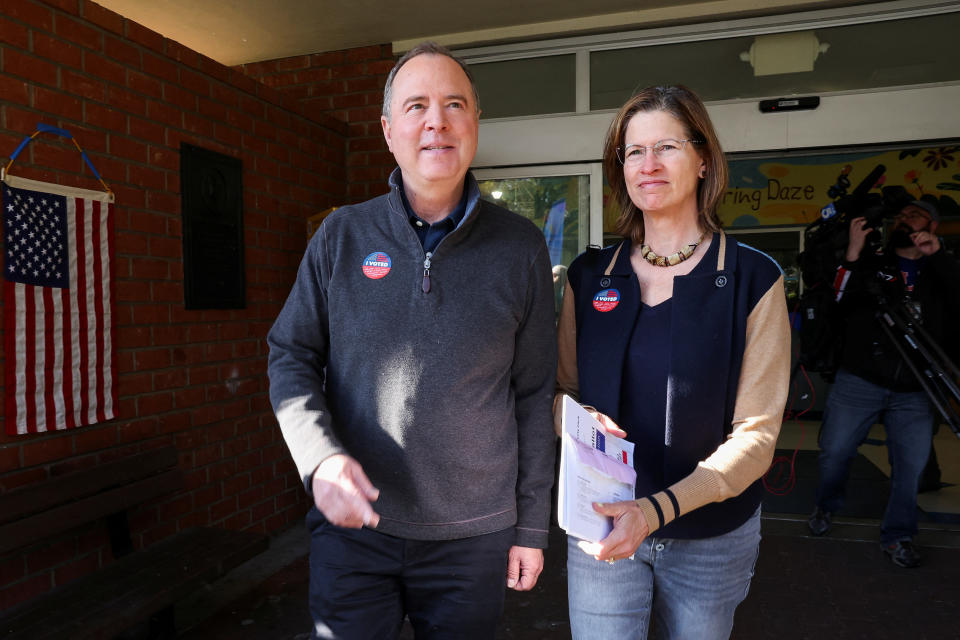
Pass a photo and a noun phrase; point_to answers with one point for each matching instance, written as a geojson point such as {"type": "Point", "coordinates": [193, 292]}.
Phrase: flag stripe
{"type": "Point", "coordinates": [39, 359]}
{"type": "Point", "coordinates": [74, 296]}
{"type": "Point", "coordinates": [97, 268]}
{"type": "Point", "coordinates": [81, 310]}
{"type": "Point", "coordinates": [10, 363]}
{"type": "Point", "coordinates": [49, 359]}
{"type": "Point", "coordinates": [29, 357]}
{"type": "Point", "coordinates": [93, 358]}
{"type": "Point", "coordinates": [55, 345]}
{"type": "Point", "coordinates": [110, 370]}
{"type": "Point", "coordinates": [69, 415]}
{"type": "Point", "coordinates": [20, 297]}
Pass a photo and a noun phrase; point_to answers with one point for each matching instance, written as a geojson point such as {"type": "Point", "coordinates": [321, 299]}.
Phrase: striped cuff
{"type": "Point", "coordinates": [673, 503]}
{"type": "Point", "coordinates": [659, 509]}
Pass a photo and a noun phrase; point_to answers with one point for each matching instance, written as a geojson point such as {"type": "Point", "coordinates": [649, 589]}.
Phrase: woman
{"type": "Point", "coordinates": [678, 338]}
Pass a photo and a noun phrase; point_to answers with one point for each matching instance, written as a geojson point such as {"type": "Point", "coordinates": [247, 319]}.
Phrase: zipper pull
{"type": "Point", "coordinates": [426, 273]}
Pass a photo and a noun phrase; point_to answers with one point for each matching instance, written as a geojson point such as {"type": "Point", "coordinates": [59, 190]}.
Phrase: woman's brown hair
{"type": "Point", "coordinates": [686, 106]}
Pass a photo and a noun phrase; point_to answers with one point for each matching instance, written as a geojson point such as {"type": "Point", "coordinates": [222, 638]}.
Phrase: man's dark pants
{"type": "Point", "coordinates": [853, 406]}
{"type": "Point", "coordinates": [363, 583]}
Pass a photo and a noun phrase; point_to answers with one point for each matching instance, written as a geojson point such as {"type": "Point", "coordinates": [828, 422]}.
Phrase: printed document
{"type": "Point", "coordinates": [594, 467]}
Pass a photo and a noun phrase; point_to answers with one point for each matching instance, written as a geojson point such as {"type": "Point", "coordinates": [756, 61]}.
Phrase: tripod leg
{"type": "Point", "coordinates": [887, 321]}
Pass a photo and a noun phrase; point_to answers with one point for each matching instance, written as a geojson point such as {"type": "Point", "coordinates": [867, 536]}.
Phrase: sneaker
{"type": "Point", "coordinates": [903, 554]}
{"type": "Point", "coordinates": [819, 522]}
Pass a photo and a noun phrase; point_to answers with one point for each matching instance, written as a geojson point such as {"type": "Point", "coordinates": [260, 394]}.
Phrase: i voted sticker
{"type": "Point", "coordinates": [376, 265]}
{"type": "Point", "coordinates": [606, 300]}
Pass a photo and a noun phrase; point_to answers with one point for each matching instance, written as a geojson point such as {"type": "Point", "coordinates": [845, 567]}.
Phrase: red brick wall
{"type": "Point", "coordinates": [348, 85]}
{"type": "Point", "coordinates": [194, 379]}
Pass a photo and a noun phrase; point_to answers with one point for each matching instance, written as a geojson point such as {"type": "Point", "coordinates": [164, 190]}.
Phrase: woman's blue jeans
{"type": "Point", "coordinates": [691, 587]}
{"type": "Point", "coordinates": [853, 406]}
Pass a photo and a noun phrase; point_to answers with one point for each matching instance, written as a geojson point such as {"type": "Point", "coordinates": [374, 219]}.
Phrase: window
{"type": "Point", "coordinates": [527, 86]}
{"type": "Point", "coordinates": [860, 56]}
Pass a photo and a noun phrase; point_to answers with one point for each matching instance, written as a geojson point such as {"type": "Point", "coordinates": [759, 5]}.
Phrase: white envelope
{"type": "Point", "coordinates": [594, 467]}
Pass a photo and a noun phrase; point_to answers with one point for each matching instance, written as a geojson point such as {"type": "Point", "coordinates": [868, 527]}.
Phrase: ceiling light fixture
{"type": "Point", "coordinates": [777, 53]}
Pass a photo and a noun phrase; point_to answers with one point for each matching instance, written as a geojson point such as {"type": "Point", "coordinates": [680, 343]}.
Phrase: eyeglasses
{"type": "Point", "coordinates": [635, 153]}
{"type": "Point", "coordinates": [912, 213]}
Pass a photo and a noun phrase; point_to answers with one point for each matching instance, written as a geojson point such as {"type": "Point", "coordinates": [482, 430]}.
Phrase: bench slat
{"type": "Point", "coordinates": [62, 518]}
{"type": "Point", "coordinates": [134, 588]}
{"type": "Point", "coordinates": [20, 503]}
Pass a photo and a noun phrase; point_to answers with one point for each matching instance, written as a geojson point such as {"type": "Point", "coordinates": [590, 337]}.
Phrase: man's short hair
{"type": "Point", "coordinates": [425, 48]}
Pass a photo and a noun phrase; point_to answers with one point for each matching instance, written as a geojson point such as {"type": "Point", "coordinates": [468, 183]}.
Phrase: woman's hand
{"type": "Point", "coordinates": [608, 424]}
{"type": "Point", "coordinates": [630, 528]}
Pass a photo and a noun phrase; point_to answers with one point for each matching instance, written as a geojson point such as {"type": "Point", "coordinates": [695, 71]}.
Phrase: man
{"type": "Point", "coordinates": [873, 381]}
{"type": "Point", "coordinates": [412, 371]}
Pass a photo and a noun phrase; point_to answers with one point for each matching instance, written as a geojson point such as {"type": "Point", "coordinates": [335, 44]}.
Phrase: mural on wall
{"type": "Point", "coordinates": [793, 190]}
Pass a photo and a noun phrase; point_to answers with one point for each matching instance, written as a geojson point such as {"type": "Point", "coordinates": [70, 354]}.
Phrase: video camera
{"type": "Point", "coordinates": [833, 226]}
{"type": "Point", "coordinates": [825, 239]}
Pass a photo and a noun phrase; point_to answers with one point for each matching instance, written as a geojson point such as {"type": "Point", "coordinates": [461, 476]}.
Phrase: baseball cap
{"type": "Point", "coordinates": [927, 206]}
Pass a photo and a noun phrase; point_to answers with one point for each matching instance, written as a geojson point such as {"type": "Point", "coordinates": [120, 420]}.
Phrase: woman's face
{"type": "Point", "coordinates": [666, 183]}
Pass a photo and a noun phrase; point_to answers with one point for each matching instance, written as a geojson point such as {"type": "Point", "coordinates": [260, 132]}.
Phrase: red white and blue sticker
{"type": "Point", "coordinates": [606, 300]}
{"type": "Point", "coordinates": [376, 265]}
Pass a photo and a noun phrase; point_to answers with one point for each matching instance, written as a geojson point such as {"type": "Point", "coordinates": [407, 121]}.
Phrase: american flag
{"type": "Point", "coordinates": [57, 306]}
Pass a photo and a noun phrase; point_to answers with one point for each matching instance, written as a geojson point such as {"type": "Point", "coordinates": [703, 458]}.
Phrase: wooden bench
{"type": "Point", "coordinates": [140, 585]}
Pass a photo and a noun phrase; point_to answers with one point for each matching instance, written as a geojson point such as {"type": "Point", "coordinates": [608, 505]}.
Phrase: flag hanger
{"type": "Point", "coordinates": [46, 128]}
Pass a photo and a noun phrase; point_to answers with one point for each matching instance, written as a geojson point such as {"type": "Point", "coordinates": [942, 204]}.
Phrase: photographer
{"type": "Point", "coordinates": [873, 382]}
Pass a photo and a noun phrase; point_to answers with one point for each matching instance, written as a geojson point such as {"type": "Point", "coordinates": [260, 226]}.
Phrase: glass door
{"type": "Point", "coordinates": [556, 198]}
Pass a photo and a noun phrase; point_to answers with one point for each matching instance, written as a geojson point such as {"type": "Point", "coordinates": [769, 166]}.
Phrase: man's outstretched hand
{"type": "Point", "coordinates": [343, 493]}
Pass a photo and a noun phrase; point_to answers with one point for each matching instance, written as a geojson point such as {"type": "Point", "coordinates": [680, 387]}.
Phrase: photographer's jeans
{"type": "Point", "coordinates": [691, 587]}
{"type": "Point", "coordinates": [853, 406]}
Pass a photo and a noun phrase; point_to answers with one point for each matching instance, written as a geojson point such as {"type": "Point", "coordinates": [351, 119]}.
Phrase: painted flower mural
{"type": "Point", "coordinates": [796, 189]}
{"type": "Point", "coordinates": [940, 158]}
{"type": "Point", "coordinates": [912, 177]}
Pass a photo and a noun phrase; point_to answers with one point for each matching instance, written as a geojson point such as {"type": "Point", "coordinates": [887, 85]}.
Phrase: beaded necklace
{"type": "Point", "coordinates": [674, 258]}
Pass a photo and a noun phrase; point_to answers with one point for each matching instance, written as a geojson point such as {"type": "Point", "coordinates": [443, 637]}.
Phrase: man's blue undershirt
{"type": "Point", "coordinates": [431, 234]}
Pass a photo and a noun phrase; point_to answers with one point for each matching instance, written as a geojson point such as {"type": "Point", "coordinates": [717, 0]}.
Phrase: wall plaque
{"type": "Point", "coordinates": [213, 253]}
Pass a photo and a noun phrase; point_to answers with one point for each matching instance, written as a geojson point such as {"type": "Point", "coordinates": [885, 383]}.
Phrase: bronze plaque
{"type": "Point", "coordinates": [211, 189]}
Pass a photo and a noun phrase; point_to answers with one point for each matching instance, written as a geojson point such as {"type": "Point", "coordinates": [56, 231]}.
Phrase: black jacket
{"type": "Point", "coordinates": [873, 285]}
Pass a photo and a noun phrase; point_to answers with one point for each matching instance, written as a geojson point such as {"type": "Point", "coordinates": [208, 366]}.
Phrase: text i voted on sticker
{"type": "Point", "coordinates": [606, 300]}
{"type": "Point", "coordinates": [376, 265]}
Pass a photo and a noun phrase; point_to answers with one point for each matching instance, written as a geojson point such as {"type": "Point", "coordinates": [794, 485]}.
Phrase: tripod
{"type": "Point", "coordinates": [935, 372]}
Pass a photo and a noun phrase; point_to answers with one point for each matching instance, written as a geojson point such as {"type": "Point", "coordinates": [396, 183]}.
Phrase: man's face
{"type": "Point", "coordinates": [910, 220]}
{"type": "Point", "coordinates": [433, 126]}
{"type": "Point", "coordinates": [914, 217]}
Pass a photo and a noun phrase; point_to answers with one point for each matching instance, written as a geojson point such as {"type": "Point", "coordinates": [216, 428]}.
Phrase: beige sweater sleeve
{"type": "Point", "coordinates": [761, 397]}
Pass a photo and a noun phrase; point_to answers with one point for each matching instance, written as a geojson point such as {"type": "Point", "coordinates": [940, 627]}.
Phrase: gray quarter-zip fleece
{"type": "Point", "coordinates": [443, 396]}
